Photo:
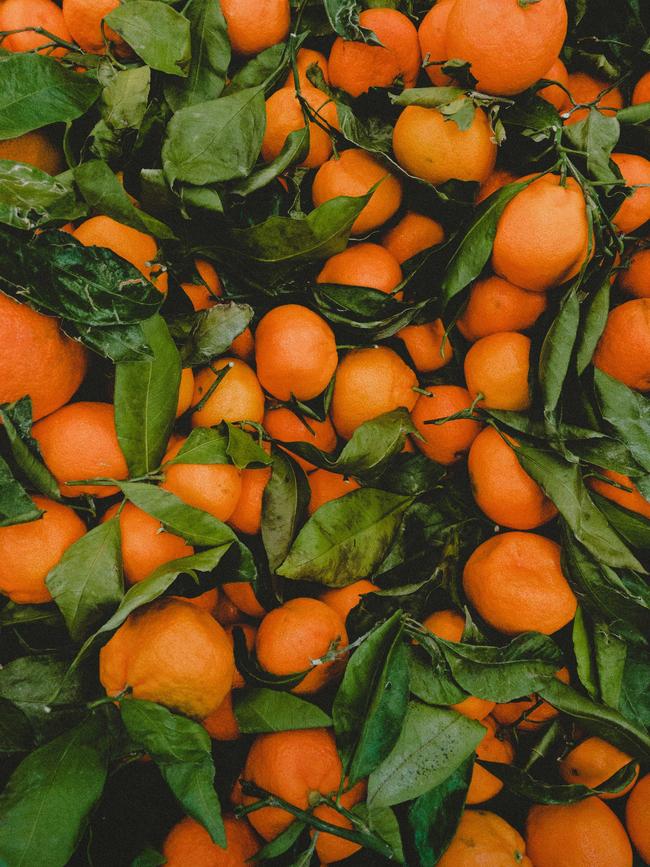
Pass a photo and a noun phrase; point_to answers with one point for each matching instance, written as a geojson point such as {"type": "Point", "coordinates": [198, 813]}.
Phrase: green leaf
{"type": "Point", "coordinates": [48, 799]}
{"type": "Point", "coordinates": [16, 733]}
{"type": "Point", "coordinates": [635, 688]}
{"type": "Point", "coordinates": [146, 397]}
{"type": "Point", "coordinates": [30, 198]}
{"type": "Point", "coordinates": [432, 745]}
{"type": "Point", "coordinates": [346, 539]}
{"type": "Point", "coordinates": [593, 325]}
{"type": "Point", "coordinates": [383, 822]}
{"type": "Point", "coordinates": [208, 333]}
{"type": "Point", "coordinates": [268, 710]}
{"type": "Point", "coordinates": [343, 16]}
{"type": "Point", "coordinates": [282, 843]}
{"type": "Point", "coordinates": [557, 348]}
{"type": "Point", "coordinates": [148, 858]}
{"type": "Point", "coordinates": [243, 450]}
{"type": "Point", "coordinates": [16, 506]}
{"type": "Point", "coordinates": [634, 114]}
{"type": "Point", "coordinates": [430, 678]}
{"type": "Point", "coordinates": [627, 413]}
{"type": "Point", "coordinates": [125, 98]}
{"type": "Point", "coordinates": [284, 507]}
{"type": "Point", "coordinates": [181, 749]}
{"type": "Point", "coordinates": [428, 97]}
{"type": "Point", "coordinates": [294, 150]}
{"type": "Point", "coordinates": [596, 136]}
{"type": "Point", "coordinates": [634, 528]}
{"type": "Point", "coordinates": [260, 69]}
{"type": "Point", "coordinates": [583, 652]}
{"type": "Point", "coordinates": [157, 33]}
{"type": "Point", "coordinates": [38, 91]}
{"type": "Point", "coordinates": [204, 445]}
{"type": "Point", "coordinates": [17, 422]}
{"type": "Point", "coordinates": [86, 583]}
{"type": "Point", "coordinates": [611, 653]}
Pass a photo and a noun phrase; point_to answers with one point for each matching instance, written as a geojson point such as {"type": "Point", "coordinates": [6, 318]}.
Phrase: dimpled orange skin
{"type": "Point", "coordinates": [188, 844]}
{"type": "Point", "coordinates": [295, 352]}
{"type": "Point", "coordinates": [515, 582]}
{"type": "Point", "coordinates": [484, 839]}
{"type": "Point", "coordinates": [592, 762]}
{"type": "Point", "coordinates": [325, 487]}
{"type": "Point", "coordinates": [30, 550]}
{"type": "Point", "coordinates": [136, 247]}
{"type": "Point", "coordinates": [641, 92]}
{"type": "Point", "coordinates": [503, 490]}
{"type": "Point", "coordinates": [496, 305]}
{"type": "Point", "coordinates": [530, 713]}
{"type": "Point", "coordinates": [444, 443]}
{"type": "Point", "coordinates": [213, 488]}
{"type": "Point", "coordinates": [222, 723]}
{"type": "Point", "coordinates": [37, 359]}
{"type": "Point", "coordinates": [510, 46]}
{"type": "Point", "coordinates": [331, 849]}
{"type": "Point", "coordinates": [635, 279]}
{"type": "Point", "coordinates": [370, 382]}
{"type": "Point", "coordinates": [290, 637]}
{"type": "Point", "coordinates": [411, 235]}
{"type": "Point", "coordinates": [584, 88]}
{"type": "Point", "coordinates": [35, 148]}
{"type": "Point", "coordinates": [284, 425]}
{"type": "Point", "coordinates": [145, 545]}
{"type": "Point", "coordinates": [584, 834]}
{"type": "Point", "coordinates": [637, 817]}
{"type": "Point", "coordinates": [238, 397]}
{"type": "Point", "coordinates": [552, 93]}
{"type": "Point", "coordinates": [623, 350]}
{"type": "Point", "coordinates": [495, 181]}
{"type": "Point", "coordinates": [430, 146]}
{"type": "Point", "coordinates": [254, 25]}
{"type": "Point", "coordinates": [173, 653]}
{"type": "Point", "coordinates": [363, 265]}
{"type": "Point", "coordinates": [204, 295]}
{"type": "Point", "coordinates": [635, 210]}
{"type": "Point", "coordinates": [247, 516]}
{"type": "Point", "coordinates": [432, 35]}
{"type": "Point", "coordinates": [84, 21]}
{"type": "Point", "coordinates": [492, 748]}
{"type": "Point", "coordinates": [357, 66]}
{"type": "Point", "coordinates": [305, 58]}
{"type": "Point", "coordinates": [631, 500]}
{"type": "Point", "coordinates": [542, 236]}
{"type": "Point", "coordinates": [79, 441]}
{"type": "Point", "coordinates": [344, 599]}
{"type": "Point", "coordinates": [353, 173]}
{"type": "Point", "coordinates": [17, 14]}
{"type": "Point", "coordinates": [497, 367]}
{"type": "Point", "coordinates": [284, 115]}
{"type": "Point", "coordinates": [428, 345]}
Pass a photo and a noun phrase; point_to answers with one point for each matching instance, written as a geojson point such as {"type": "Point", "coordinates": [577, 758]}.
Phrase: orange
{"type": "Point", "coordinates": [496, 179]}
{"type": "Point", "coordinates": [632, 500]}
{"type": "Point", "coordinates": [493, 748]}
{"type": "Point", "coordinates": [370, 382]}
{"type": "Point", "coordinates": [496, 367]}
{"type": "Point", "coordinates": [188, 844]}
{"type": "Point", "coordinates": [18, 14]}
{"type": "Point", "coordinates": [552, 93]}
{"type": "Point", "coordinates": [226, 612]}
{"type": "Point", "coordinates": [213, 488]}
{"type": "Point", "coordinates": [331, 849]}
{"type": "Point", "coordinates": [284, 115]}
{"type": "Point", "coordinates": [295, 352]}
{"type": "Point", "coordinates": [592, 762]}
{"type": "Point", "coordinates": [485, 840]}
{"type": "Point", "coordinates": [36, 149]}
{"type": "Point", "coordinates": [542, 235]}
{"type": "Point", "coordinates": [242, 595]}
{"type": "Point", "coordinates": [584, 834]}
{"type": "Point", "coordinates": [431, 146]}
{"type": "Point", "coordinates": [428, 345]}
{"type": "Point", "coordinates": [173, 653]}
{"type": "Point", "coordinates": [363, 265]}
{"type": "Point", "coordinates": [637, 817]}
{"type": "Point", "coordinates": [530, 713]}
{"type": "Point", "coordinates": [78, 442]}
{"type": "Point", "coordinates": [208, 600]}
{"type": "Point", "coordinates": [290, 638]}
{"type": "Point", "coordinates": [305, 58]}
{"type": "Point", "coordinates": [326, 486]}
{"type": "Point", "coordinates": [432, 35]}
{"type": "Point", "coordinates": [635, 278]}
{"type": "Point", "coordinates": [204, 295]}
{"type": "Point", "coordinates": [641, 91]}
{"type": "Point", "coordinates": [411, 235]}
{"type": "Point", "coordinates": [130, 244]}
{"type": "Point", "coordinates": [238, 397]}
{"type": "Point", "coordinates": [503, 490]}
{"type": "Point", "coordinates": [254, 25]}
{"type": "Point", "coordinates": [353, 173]}
{"type": "Point", "coordinates": [444, 443]}
{"type": "Point", "coordinates": [510, 45]}
{"type": "Point", "coordinates": [247, 517]}
{"type": "Point", "coordinates": [222, 723]}
{"type": "Point", "coordinates": [145, 544]}
{"type": "Point", "coordinates": [515, 582]}
{"type": "Point", "coordinates": [30, 550]}
{"type": "Point", "coordinates": [344, 599]}
{"type": "Point", "coordinates": [84, 18]}
{"type": "Point", "coordinates": [243, 346]}
{"type": "Point", "coordinates": [584, 88]}
{"type": "Point", "coordinates": [623, 350]}
{"type": "Point", "coordinates": [284, 425]}
{"type": "Point", "coordinates": [357, 66]}
{"type": "Point", "coordinates": [37, 359]}
{"type": "Point", "coordinates": [635, 210]}
{"type": "Point", "coordinates": [495, 305]}
{"type": "Point", "coordinates": [185, 391]}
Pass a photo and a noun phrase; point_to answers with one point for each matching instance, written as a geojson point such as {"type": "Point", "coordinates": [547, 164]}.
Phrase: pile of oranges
{"type": "Point", "coordinates": [480, 376]}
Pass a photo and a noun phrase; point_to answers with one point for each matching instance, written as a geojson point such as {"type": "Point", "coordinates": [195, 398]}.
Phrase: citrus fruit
{"type": "Point", "coordinates": [637, 817]}
{"type": "Point", "coordinates": [411, 235]}
{"type": "Point", "coordinates": [363, 265]}
{"type": "Point", "coordinates": [496, 367]}
{"type": "Point", "coordinates": [254, 25]}
{"type": "Point", "coordinates": [22, 14]}
{"type": "Point", "coordinates": [35, 148]}
{"type": "Point", "coordinates": [213, 488]}
{"type": "Point", "coordinates": [344, 599]}
{"type": "Point", "coordinates": [531, 713]}
{"type": "Point", "coordinates": [635, 278]}
{"type": "Point", "coordinates": [447, 442]}
{"type": "Point", "coordinates": [185, 391]}
{"type": "Point", "coordinates": [247, 516]}
{"type": "Point", "coordinates": [631, 499]}
{"type": "Point", "coordinates": [205, 294]}
{"type": "Point", "coordinates": [483, 838]}
{"type": "Point", "coordinates": [584, 88]}
{"type": "Point", "coordinates": [242, 595]}
{"type": "Point", "coordinates": [623, 350]}
{"type": "Point", "coordinates": [592, 762]}
{"type": "Point", "coordinates": [493, 748]}
{"type": "Point", "coordinates": [641, 91]}
{"type": "Point", "coordinates": [428, 345]}
{"type": "Point", "coordinates": [325, 487]}
{"type": "Point", "coordinates": [237, 397]}
{"type": "Point", "coordinates": [222, 723]}
{"type": "Point", "coordinates": [84, 18]}
{"type": "Point", "coordinates": [497, 179]}
{"type": "Point", "coordinates": [496, 305]}
{"type": "Point", "coordinates": [188, 844]}
{"type": "Point", "coordinates": [558, 97]}
{"type": "Point", "coordinates": [432, 35]}
{"type": "Point", "coordinates": [284, 425]}
{"type": "Point", "coordinates": [284, 115]}
{"type": "Point", "coordinates": [305, 58]}
{"type": "Point", "coordinates": [635, 210]}
{"type": "Point", "coordinates": [330, 848]}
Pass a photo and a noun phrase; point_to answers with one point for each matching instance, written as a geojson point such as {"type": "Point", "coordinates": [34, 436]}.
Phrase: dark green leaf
{"type": "Point", "coordinates": [282, 843]}
{"type": "Point", "coordinates": [16, 506]}
{"type": "Point", "coordinates": [344, 17]}
{"type": "Point", "coordinates": [627, 412]}
{"type": "Point", "coordinates": [124, 99]}
{"type": "Point", "coordinates": [635, 688]}
{"type": "Point", "coordinates": [557, 348]}
{"type": "Point", "coordinates": [269, 710]}
{"type": "Point", "coordinates": [430, 677]}
{"type": "Point", "coordinates": [30, 198]}
{"type": "Point", "coordinates": [260, 69]}
{"type": "Point", "coordinates": [157, 33]}
{"type": "Point", "coordinates": [208, 333]}
{"type": "Point", "coordinates": [24, 448]}
{"type": "Point", "coordinates": [284, 507]}
{"type": "Point", "coordinates": [243, 450]}
{"type": "Point", "coordinates": [428, 97]}
{"type": "Point", "coordinates": [584, 653]}
{"type": "Point", "coordinates": [596, 136]}
{"type": "Point", "coordinates": [294, 150]}
{"type": "Point", "coordinates": [16, 733]}
{"type": "Point", "coordinates": [204, 445]}
{"type": "Point", "coordinates": [634, 528]}
{"type": "Point", "coordinates": [383, 822]}
{"type": "Point", "coordinates": [593, 325]}
{"type": "Point", "coordinates": [634, 114]}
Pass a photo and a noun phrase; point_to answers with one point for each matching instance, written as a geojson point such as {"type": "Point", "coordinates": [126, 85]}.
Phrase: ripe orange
{"type": "Point", "coordinates": [493, 748]}
{"type": "Point", "coordinates": [208, 600]}
{"type": "Point", "coordinates": [344, 599]}
{"type": "Point", "coordinates": [357, 66]}
{"type": "Point", "coordinates": [370, 382]}
{"type": "Point", "coordinates": [637, 817]}
{"type": "Point", "coordinates": [428, 345]}
{"type": "Point", "coordinates": [641, 91]}
{"type": "Point", "coordinates": [19, 14]}
{"type": "Point", "coordinates": [30, 550]}
{"type": "Point", "coordinates": [222, 723]}
{"type": "Point", "coordinates": [584, 834]}
{"type": "Point", "coordinates": [242, 595]}
{"type": "Point", "coordinates": [84, 18]}
{"type": "Point", "coordinates": [79, 441]}
{"type": "Point", "coordinates": [503, 490]}
{"type": "Point", "coordinates": [173, 653]}
{"type": "Point", "coordinates": [592, 762]}
{"type": "Point", "coordinates": [635, 210]}
{"type": "Point", "coordinates": [284, 425]}
{"type": "Point", "coordinates": [305, 58]}
{"type": "Point", "coordinates": [247, 517]}
{"type": "Point", "coordinates": [290, 638]}
{"type": "Point", "coordinates": [530, 713]}
{"type": "Point", "coordinates": [37, 359]}
{"type": "Point", "coordinates": [484, 839]}
{"type": "Point", "coordinates": [632, 500]}
{"type": "Point", "coordinates": [411, 235]}
{"type": "Point", "coordinates": [295, 352]}
{"type": "Point", "coordinates": [432, 35]}
{"type": "Point", "coordinates": [515, 582]}
{"type": "Point", "coordinates": [185, 391]}
{"type": "Point", "coordinates": [542, 235]}
{"type": "Point", "coordinates": [188, 844]}
{"type": "Point", "coordinates": [225, 612]}
{"type": "Point", "coordinates": [623, 350]}
{"type": "Point", "coordinates": [331, 849]}
{"type": "Point", "coordinates": [284, 115]}
{"type": "Point", "coordinates": [214, 488]}
{"type": "Point", "coordinates": [552, 93]}
{"type": "Point", "coordinates": [497, 367]}
{"type": "Point", "coordinates": [363, 265]}
{"type": "Point", "coordinates": [130, 244]}
{"type": "Point", "coordinates": [204, 295]}
{"type": "Point", "coordinates": [238, 397]}
{"type": "Point", "coordinates": [432, 147]}
{"type": "Point", "coordinates": [145, 544]}
{"type": "Point", "coordinates": [495, 305]}
{"type": "Point", "coordinates": [254, 25]}
{"type": "Point", "coordinates": [36, 149]}
{"type": "Point", "coordinates": [353, 173]}
{"type": "Point", "coordinates": [635, 278]}
{"type": "Point", "coordinates": [496, 179]}
{"type": "Point", "coordinates": [326, 486]}
{"type": "Point", "coordinates": [444, 443]}
{"type": "Point", "coordinates": [584, 88]}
